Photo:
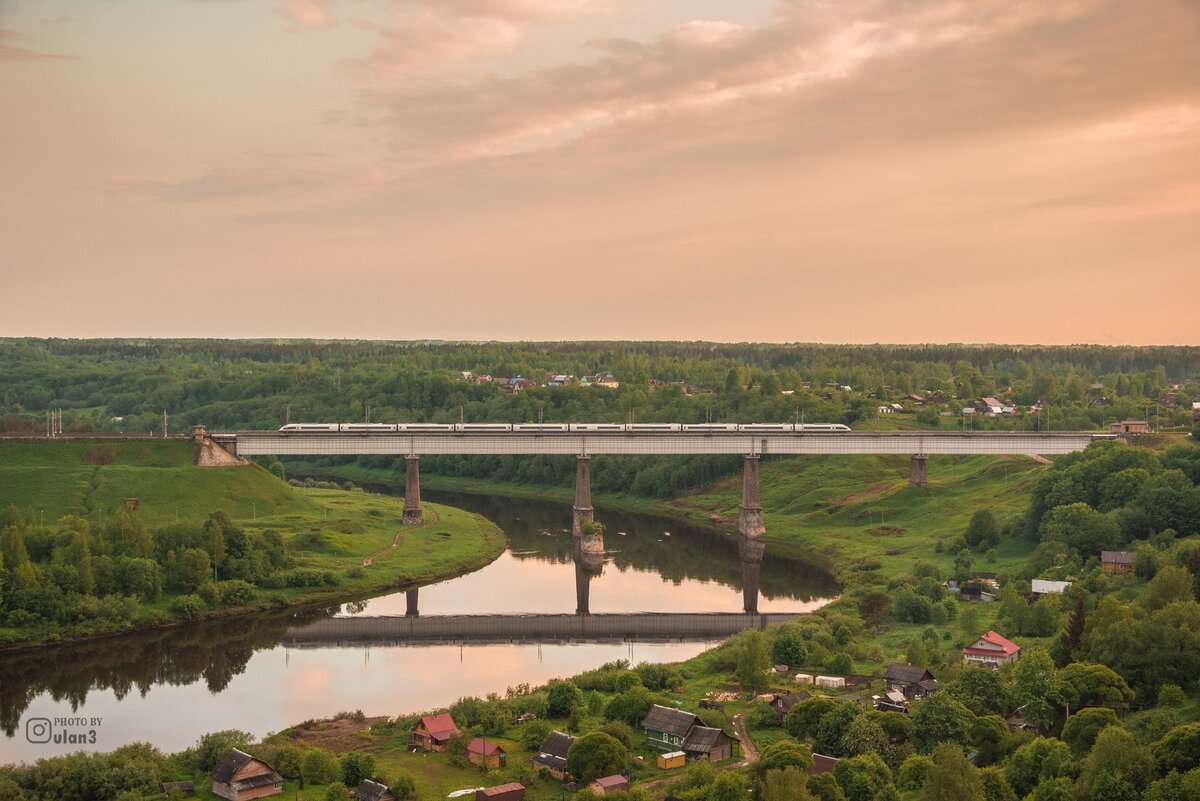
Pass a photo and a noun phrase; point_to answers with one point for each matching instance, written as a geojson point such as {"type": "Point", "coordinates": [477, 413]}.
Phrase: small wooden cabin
{"type": "Point", "coordinates": [501, 792]}
{"type": "Point", "coordinates": [482, 752]}
{"type": "Point", "coordinates": [674, 759]}
{"type": "Point", "coordinates": [432, 732]}
{"type": "Point", "coordinates": [373, 791]}
{"type": "Point", "coordinates": [241, 777]}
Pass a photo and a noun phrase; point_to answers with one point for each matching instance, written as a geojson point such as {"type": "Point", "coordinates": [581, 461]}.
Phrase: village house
{"type": "Point", "coordinates": [1129, 427]}
{"type": "Point", "coordinates": [607, 380]}
{"type": "Point", "coordinates": [240, 777]}
{"type": "Point", "coordinates": [501, 792]}
{"type": "Point", "coordinates": [675, 730]}
{"type": "Point", "coordinates": [991, 650]}
{"type": "Point", "coordinates": [482, 752]}
{"type": "Point", "coordinates": [1117, 561]}
{"type": "Point", "coordinates": [432, 732]}
{"type": "Point", "coordinates": [784, 702]}
{"type": "Point", "coordinates": [990, 579]}
{"type": "Point", "coordinates": [553, 755]}
{"type": "Point", "coordinates": [990, 407]}
{"type": "Point", "coordinates": [373, 791]}
{"type": "Point", "coordinates": [1040, 587]}
{"type": "Point", "coordinates": [974, 591]}
{"type": "Point", "coordinates": [609, 784]}
{"type": "Point", "coordinates": [910, 681]}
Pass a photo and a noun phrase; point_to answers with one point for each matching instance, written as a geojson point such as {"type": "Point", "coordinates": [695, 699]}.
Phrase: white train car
{"type": "Point", "coordinates": [419, 428]}
{"type": "Point", "coordinates": [598, 428]}
{"type": "Point", "coordinates": [710, 428]}
{"type": "Point", "coordinates": [541, 428]}
{"type": "Point", "coordinates": [483, 428]}
{"type": "Point", "coordinates": [767, 427]}
{"type": "Point", "coordinates": [309, 428]}
{"type": "Point", "coordinates": [368, 428]}
{"type": "Point", "coordinates": [652, 427]}
{"type": "Point", "coordinates": [827, 428]}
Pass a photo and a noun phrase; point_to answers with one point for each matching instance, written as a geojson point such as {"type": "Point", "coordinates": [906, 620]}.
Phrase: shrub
{"type": "Point", "coordinates": [188, 607]}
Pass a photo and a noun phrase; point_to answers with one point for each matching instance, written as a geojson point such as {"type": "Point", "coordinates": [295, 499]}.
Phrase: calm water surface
{"type": "Point", "coordinates": [170, 687]}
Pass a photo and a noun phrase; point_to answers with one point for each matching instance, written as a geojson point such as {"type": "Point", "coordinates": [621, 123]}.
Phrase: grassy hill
{"type": "Point", "coordinates": [94, 479]}
{"type": "Point", "coordinates": [859, 507]}
{"type": "Point", "coordinates": [357, 537]}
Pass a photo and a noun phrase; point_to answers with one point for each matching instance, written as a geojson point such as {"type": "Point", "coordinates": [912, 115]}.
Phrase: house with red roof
{"type": "Point", "coordinates": [991, 650]}
{"type": "Point", "coordinates": [432, 732]}
{"type": "Point", "coordinates": [482, 752]}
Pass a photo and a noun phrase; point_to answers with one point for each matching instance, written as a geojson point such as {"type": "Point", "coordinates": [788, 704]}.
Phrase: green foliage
{"type": "Point", "coordinates": [786, 784]}
{"type": "Point", "coordinates": [833, 727]}
{"type": "Point", "coordinates": [981, 532]}
{"type": "Point", "coordinates": [335, 792]}
{"type": "Point", "coordinates": [938, 719]}
{"type": "Point", "coordinates": [357, 766]}
{"type": "Point", "coordinates": [995, 786]}
{"type": "Point", "coordinates": [777, 756]}
{"type": "Point", "coordinates": [753, 661]}
{"type": "Point", "coordinates": [1115, 755]}
{"type": "Point", "coordinates": [863, 777]}
{"type": "Point", "coordinates": [1082, 728]}
{"type": "Point", "coordinates": [863, 736]}
{"type": "Point", "coordinates": [533, 734]}
{"type": "Point", "coordinates": [1170, 584]}
{"type": "Point", "coordinates": [318, 766]}
{"type": "Point", "coordinates": [982, 690]}
{"type": "Point", "coordinates": [404, 787]}
{"type": "Point", "coordinates": [562, 697]}
{"type": "Point", "coordinates": [787, 648]}
{"type": "Point", "coordinates": [1037, 761]}
{"type": "Point", "coordinates": [952, 777]}
{"type": "Point", "coordinates": [1178, 750]}
{"type": "Point", "coordinates": [804, 718]}
{"type": "Point", "coordinates": [913, 772]}
{"type": "Point", "coordinates": [1084, 684]}
{"type": "Point", "coordinates": [630, 706]}
{"type": "Point", "coordinates": [1035, 685]}
{"type": "Point", "coordinates": [215, 745]}
{"type": "Point", "coordinates": [594, 755]}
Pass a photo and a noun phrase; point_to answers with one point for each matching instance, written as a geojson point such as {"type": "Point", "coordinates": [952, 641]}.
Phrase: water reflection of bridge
{"type": "Point", "coordinates": [583, 626]}
{"type": "Point", "coordinates": [649, 626]}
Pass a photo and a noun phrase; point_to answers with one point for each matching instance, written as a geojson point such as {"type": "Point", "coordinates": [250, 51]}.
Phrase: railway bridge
{"type": "Point", "coordinates": [583, 444]}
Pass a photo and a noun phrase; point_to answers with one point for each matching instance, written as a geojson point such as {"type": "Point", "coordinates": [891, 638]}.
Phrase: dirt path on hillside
{"type": "Point", "coordinates": [430, 518]}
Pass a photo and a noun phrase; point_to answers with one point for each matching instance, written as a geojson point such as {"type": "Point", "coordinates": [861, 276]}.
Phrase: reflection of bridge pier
{"type": "Point", "coordinates": [410, 603]}
{"type": "Point", "coordinates": [412, 490]}
{"type": "Point", "coordinates": [751, 528]}
{"type": "Point", "coordinates": [587, 566]}
{"type": "Point", "coordinates": [750, 552]}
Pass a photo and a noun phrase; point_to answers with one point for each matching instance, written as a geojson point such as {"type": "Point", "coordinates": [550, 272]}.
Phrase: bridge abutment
{"type": "Point", "coordinates": [918, 470]}
{"type": "Point", "coordinates": [750, 518]}
{"type": "Point", "coordinates": [412, 491]}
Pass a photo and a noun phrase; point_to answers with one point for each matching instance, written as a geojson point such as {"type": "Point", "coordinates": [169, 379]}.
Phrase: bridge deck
{"type": "Point", "coordinates": [256, 443]}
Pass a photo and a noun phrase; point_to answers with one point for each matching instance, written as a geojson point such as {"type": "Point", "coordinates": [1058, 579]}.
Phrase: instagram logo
{"type": "Point", "coordinates": [37, 730]}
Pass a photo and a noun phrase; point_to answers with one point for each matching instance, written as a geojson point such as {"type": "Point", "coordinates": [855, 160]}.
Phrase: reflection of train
{"type": "Point", "coordinates": [563, 428]}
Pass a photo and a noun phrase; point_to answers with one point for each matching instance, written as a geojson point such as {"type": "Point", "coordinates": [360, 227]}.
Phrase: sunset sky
{"type": "Point", "coordinates": [776, 170]}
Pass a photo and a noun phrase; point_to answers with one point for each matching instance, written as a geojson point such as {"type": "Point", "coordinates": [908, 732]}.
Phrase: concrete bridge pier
{"type": "Point", "coordinates": [582, 510]}
{"type": "Point", "coordinates": [410, 604]}
{"type": "Point", "coordinates": [918, 470]}
{"type": "Point", "coordinates": [750, 518]}
{"type": "Point", "coordinates": [750, 552]}
{"type": "Point", "coordinates": [412, 491]}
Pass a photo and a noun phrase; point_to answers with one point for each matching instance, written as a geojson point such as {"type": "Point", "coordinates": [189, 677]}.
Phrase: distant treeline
{"type": "Point", "coordinates": [124, 385]}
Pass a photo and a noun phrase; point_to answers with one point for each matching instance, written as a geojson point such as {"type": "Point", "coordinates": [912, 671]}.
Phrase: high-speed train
{"type": "Point", "coordinates": [563, 428]}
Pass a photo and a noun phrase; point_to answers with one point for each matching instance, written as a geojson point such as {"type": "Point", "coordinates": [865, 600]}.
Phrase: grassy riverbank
{"type": "Point", "coordinates": [354, 542]}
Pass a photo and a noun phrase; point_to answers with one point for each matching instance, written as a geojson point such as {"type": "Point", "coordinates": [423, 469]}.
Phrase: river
{"type": "Point", "coordinates": [169, 687]}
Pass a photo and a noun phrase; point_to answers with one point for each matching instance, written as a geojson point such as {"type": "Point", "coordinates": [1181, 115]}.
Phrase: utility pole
{"type": "Point", "coordinates": [164, 423]}
{"type": "Point", "coordinates": [368, 413]}
{"type": "Point", "coordinates": [287, 414]}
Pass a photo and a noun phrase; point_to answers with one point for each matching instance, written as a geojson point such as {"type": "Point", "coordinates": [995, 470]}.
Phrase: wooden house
{"type": "Point", "coordinates": [482, 752]}
{"type": "Point", "coordinates": [373, 791]}
{"type": "Point", "coordinates": [910, 680]}
{"type": "Point", "coordinates": [784, 702]}
{"type": "Point", "coordinates": [501, 792]}
{"type": "Point", "coordinates": [240, 777]}
{"type": "Point", "coordinates": [991, 650]}
{"type": "Point", "coordinates": [1117, 561]}
{"type": "Point", "coordinates": [666, 728]}
{"type": "Point", "coordinates": [432, 732]}
{"type": "Point", "coordinates": [553, 755]}
{"type": "Point", "coordinates": [609, 784]}
{"type": "Point", "coordinates": [704, 741]}
{"type": "Point", "coordinates": [670, 729]}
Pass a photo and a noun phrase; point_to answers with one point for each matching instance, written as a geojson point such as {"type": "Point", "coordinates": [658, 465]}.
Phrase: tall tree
{"type": "Point", "coordinates": [952, 777]}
